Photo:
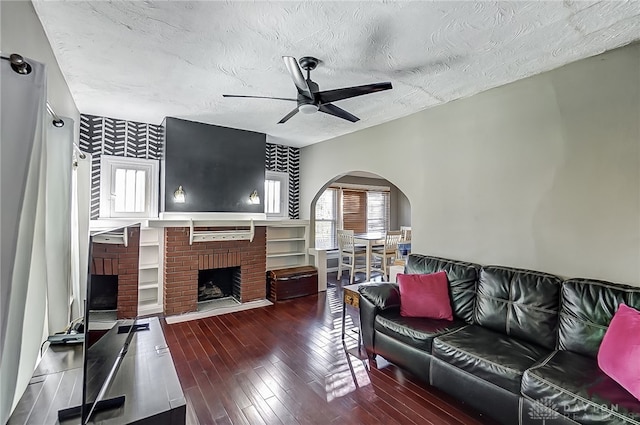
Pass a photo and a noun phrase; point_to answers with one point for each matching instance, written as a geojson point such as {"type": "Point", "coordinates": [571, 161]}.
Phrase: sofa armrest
{"type": "Point", "coordinates": [383, 295]}
{"type": "Point", "coordinates": [373, 299]}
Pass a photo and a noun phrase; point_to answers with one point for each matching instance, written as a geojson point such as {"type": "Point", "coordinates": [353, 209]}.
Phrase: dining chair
{"type": "Point", "coordinates": [348, 255]}
{"type": "Point", "coordinates": [387, 252]}
{"type": "Point", "coordinates": [406, 233]}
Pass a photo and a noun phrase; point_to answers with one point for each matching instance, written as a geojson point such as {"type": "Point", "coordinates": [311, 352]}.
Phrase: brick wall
{"type": "Point", "coordinates": [110, 259]}
{"type": "Point", "coordinates": [182, 262]}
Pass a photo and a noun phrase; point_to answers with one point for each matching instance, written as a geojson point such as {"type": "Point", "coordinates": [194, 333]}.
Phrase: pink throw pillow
{"type": "Point", "coordinates": [425, 295]}
{"type": "Point", "coordinates": [619, 353]}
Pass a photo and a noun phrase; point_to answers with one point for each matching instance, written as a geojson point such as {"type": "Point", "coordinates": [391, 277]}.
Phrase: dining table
{"type": "Point", "coordinates": [369, 240]}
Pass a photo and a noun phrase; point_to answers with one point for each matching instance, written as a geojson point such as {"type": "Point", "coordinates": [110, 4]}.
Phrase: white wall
{"type": "Point", "coordinates": [21, 32]}
{"type": "Point", "coordinates": [404, 210]}
{"type": "Point", "coordinates": [541, 174]}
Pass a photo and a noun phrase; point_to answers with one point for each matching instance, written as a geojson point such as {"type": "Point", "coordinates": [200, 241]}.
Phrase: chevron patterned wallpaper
{"type": "Point", "coordinates": [286, 159]}
{"type": "Point", "coordinates": [108, 136]}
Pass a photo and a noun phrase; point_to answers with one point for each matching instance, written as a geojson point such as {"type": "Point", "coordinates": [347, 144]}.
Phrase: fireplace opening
{"type": "Point", "coordinates": [214, 284]}
{"type": "Point", "coordinates": [104, 292]}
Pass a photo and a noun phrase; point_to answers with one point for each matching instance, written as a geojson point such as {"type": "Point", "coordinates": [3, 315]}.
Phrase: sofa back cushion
{"type": "Point", "coordinates": [587, 307]}
{"type": "Point", "coordinates": [463, 280]}
{"type": "Point", "coordinates": [519, 303]}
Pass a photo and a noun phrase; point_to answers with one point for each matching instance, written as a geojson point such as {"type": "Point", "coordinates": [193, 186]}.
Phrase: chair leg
{"type": "Point", "coordinates": [384, 269]}
{"type": "Point", "coordinates": [353, 270]}
{"type": "Point", "coordinates": [340, 267]}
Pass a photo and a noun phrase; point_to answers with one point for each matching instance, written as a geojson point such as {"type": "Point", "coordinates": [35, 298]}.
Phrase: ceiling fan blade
{"type": "Point", "coordinates": [259, 97]}
{"type": "Point", "coordinates": [296, 73]}
{"type": "Point", "coordinates": [332, 109]}
{"type": "Point", "coordinates": [289, 115]}
{"type": "Point", "coordinates": [329, 96]}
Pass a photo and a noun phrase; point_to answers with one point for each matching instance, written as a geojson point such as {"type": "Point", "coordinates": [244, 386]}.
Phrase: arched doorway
{"type": "Point", "coordinates": [359, 201]}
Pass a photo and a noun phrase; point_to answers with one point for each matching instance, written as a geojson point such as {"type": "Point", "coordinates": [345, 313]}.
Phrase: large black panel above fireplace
{"type": "Point", "coordinates": [217, 167]}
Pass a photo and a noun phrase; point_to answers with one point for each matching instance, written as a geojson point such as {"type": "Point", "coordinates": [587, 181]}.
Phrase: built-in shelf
{"type": "Point", "coordinates": [287, 244]}
{"type": "Point", "coordinates": [150, 271]}
{"type": "Point", "coordinates": [145, 297]}
{"type": "Point", "coordinates": [287, 240]}
{"type": "Point", "coordinates": [285, 254]}
{"type": "Point", "coordinates": [146, 286]}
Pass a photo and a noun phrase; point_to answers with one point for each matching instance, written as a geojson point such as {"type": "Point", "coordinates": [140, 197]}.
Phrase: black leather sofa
{"type": "Point", "coordinates": [522, 347]}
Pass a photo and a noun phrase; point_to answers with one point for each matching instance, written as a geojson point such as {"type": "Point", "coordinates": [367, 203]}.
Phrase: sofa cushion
{"type": "Point", "coordinates": [463, 278]}
{"type": "Point", "coordinates": [619, 354]}
{"type": "Point", "coordinates": [574, 386]}
{"type": "Point", "coordinates": [492, 356]}
{"type": "Point", "coordinates": [520, 303]}
{"type": "Point", "coordinates": [587, 309]}
{"type": "Point", "coordinates": [425, 295]}
{"type": "Point", "coordinates": [382, 295]}
{"type": "Point", "coordinates": [414, 331]}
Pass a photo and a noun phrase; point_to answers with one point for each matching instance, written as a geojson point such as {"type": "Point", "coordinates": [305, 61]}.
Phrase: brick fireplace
{"type": "Point", "coordinates": [122, 261]}
{"type": "Point", "coordinates": [183, 261]}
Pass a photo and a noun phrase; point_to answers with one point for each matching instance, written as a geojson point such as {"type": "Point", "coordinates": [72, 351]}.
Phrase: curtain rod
{"type": "Point", "coordinates": [22, 67]}
{"type": "Point", "coordinates": [81, 154]}
{"type": "Point", "coordinates": [57, 122]}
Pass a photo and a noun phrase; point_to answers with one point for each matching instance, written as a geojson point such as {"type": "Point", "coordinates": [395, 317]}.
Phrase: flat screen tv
{"type": "Point", "coordinates": [102, 357]}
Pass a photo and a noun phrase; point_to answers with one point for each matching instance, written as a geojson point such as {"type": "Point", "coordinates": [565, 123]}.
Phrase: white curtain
{"type": "Point", "coordinates": [36, 222]}
{"type": "Point", "coordinates": [22, 221]}
{"type": "Point", "coordinates": [58, 222]}
{"type": "Point", "coordinates": [80, 215]}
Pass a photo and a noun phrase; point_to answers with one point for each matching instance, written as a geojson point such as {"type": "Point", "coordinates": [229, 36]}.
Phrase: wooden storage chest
{"type": "Point", "coordinates": [292, 282]}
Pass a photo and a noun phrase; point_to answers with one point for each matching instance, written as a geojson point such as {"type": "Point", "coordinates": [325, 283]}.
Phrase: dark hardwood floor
{"type": "Point", "coordinates": [286, 364]}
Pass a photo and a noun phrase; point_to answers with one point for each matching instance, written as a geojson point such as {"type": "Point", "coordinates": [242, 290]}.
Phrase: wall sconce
{"type": "Point", "coordinates": [254, 198]}
{"type": "Point", "coordinates": [179, 196]}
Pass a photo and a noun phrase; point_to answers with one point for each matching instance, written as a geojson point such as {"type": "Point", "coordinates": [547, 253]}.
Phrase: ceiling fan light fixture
{"type": "Point", "coordinates": [308, 108]}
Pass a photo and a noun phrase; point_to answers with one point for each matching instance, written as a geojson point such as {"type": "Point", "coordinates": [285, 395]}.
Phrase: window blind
{"type": "Point", "coordinates": [354, 210]}
{"type": "Point", "coordinates": [378, 211]}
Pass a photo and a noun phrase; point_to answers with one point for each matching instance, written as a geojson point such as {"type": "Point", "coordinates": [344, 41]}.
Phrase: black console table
{"type": "Point", "coordinates": [147, 377]}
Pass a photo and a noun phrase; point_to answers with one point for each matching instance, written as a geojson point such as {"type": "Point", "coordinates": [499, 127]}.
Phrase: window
{"type": "Point", "coordinates": [327, 219]}
{"type": "Point", "coordinates": [128, 187]}
{"type": "Point", "coordinates": [351, 207]}
{"type": "Point", "coordinates": [276, 194]}
{"type": "Point", "coordinates": [378, 211]}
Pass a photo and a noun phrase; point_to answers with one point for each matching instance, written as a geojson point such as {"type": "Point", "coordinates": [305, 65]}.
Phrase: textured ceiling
{"type": "Point", "coordinates": [145, 60]}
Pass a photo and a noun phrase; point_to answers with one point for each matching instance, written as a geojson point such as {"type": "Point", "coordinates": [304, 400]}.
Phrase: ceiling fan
{"type": "Point", "coordinates": [310, 99]}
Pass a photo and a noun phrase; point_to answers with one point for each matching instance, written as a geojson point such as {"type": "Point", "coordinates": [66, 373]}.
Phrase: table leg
{"type": "Point", "coordinates": [368, 261]}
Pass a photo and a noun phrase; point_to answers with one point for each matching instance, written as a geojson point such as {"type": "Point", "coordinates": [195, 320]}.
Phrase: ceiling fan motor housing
{"type": "Point", "coordinates": [308, 63]}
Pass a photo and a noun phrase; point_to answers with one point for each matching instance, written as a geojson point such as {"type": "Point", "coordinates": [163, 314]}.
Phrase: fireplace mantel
{"type": "Point", "coordinates": [198, 219]}
{"type": "Point", "coordinates": [218, 220]}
